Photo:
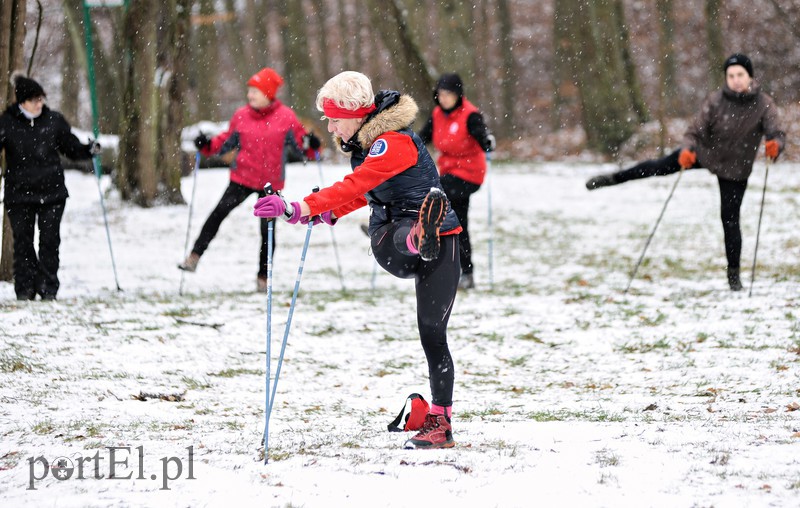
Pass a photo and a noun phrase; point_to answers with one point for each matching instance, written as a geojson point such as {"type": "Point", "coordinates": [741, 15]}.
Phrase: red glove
{"type": "Point", "coordinates": [772, 149]}
{"type": "Point", "coordinates": [687, 158]}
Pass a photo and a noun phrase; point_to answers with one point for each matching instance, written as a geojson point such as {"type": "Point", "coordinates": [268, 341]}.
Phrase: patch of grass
{"type": "Point", "coordinates": [236, 372]}
{"type": "Point", "coordinates": [518, 361]}
{"type": "Point", "coordinates": [180, 312]}
{"type": "Point", "coordinates": [644, 347]}
{"type": "Point", "coordinates": [44, 427]}
{"type": "Point", "coordinates": [606, 458]}
{"type": "Point", "coordinates": [481, 413]}
{"type": "Point", "coordinates": [584, 416]}
{"type": "Point", "coordinates": [194, 384]}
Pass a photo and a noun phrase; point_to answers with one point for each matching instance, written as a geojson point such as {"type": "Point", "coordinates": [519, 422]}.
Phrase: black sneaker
{"type": "Point", "coordinates": [601, 181]}
{"type": "Point", "coordinates": [431, 217]}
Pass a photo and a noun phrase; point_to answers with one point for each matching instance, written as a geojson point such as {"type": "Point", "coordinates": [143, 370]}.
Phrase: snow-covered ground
{"type": "Point", "coordinates": [568, 392]}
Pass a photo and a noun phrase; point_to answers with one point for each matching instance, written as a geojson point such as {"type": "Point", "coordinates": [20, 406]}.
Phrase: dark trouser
{"type": "Point", "coordinates": [436, 283]}
{"type": "Point", "coordinates": [731, 193]}
{"type": "Point", "coordinates": [233, 196]}
{"type": "Point", "coordinates": [34, 275]}
{"type": "Point", "coordinates": [458, 192]}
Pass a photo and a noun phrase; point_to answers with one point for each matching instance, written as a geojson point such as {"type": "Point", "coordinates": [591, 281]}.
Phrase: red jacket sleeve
{"type": "Point", "coordinates": [399, 154]}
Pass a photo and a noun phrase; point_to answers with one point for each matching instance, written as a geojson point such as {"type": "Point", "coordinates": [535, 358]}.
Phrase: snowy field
{"type": "Point", "coordinates": [568, 392]}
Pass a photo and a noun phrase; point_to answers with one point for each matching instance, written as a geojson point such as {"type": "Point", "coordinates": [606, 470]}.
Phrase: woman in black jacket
{"type": "Point", "coordinates": [32, 136]}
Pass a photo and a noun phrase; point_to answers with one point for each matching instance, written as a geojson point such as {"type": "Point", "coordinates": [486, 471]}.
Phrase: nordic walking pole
{"type": "Point", "coordinates": [758, 231]}
{"type": "Point", "coordinates": [191, 205]}
{"type": "Point", "coordinates": [333, 233]}
{"type": "Point", "coordinates": [286, 330]}
{"type": "Point", "coordinates": [652, 233]}
{"type": "Point", "coordinates": [489, 219]}
{"type": "Point", "coordinates": [96, 129]}
{"type": "Point", "coordinates": [268, 407]}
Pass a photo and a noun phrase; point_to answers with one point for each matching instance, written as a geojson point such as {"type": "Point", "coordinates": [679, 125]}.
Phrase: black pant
{"type": "Point", "coordinates": [731, 193]}
{"type": "Point", "coordinates": [458, 192]}
{"type": "Point", "coordinates": [233, 196]}
{"type": "Point", "coordinates": [436, 283]}
{"type": "Point", "coordinates": [34, 275]}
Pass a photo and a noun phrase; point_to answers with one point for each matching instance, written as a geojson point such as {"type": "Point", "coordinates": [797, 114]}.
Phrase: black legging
{"type": "Point", "coordinates": [233, 196]}
{"type": "Point", "coordinates": [458, 192]}
{"type": "Point", "coordinates": [731, 193]}
{"type": "Point", "coordinates": [36, 275]}
{"type": "Point", "coordinates": [436, 283]}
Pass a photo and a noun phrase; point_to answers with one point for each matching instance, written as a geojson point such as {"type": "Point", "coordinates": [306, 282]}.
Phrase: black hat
{"type": "Point", "coordinates": [739, 59]}
{"type": "Point", "coordinates": [26, 89]}
{"type": "Point", "coordinates": [452, 83]}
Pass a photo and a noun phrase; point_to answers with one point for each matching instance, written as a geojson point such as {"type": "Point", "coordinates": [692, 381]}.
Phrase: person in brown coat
{"type": "Point", "coordinates": [723, 138]}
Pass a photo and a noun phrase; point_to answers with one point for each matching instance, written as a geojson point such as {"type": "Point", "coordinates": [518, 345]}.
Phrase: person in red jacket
{"type": "Point", "coordinates": [413, 231]}
{"type": "Point", "coordinates": [458, 132]}
{"type": "Point", "coordinates": [259, 133]}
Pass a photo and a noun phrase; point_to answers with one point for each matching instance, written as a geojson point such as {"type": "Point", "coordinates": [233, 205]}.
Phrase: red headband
{"type": "Point", "coordinates": [331, 110]}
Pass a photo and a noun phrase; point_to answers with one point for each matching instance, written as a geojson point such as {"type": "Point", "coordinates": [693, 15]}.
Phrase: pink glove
{"type": "Point", "coordinates": [326, 217]}
{"type": "Point", "coordinates": [273, 206]}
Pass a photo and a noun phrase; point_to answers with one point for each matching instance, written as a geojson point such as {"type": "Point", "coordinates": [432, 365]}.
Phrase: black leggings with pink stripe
{"type": "Point", "coordinates": [436, 283]}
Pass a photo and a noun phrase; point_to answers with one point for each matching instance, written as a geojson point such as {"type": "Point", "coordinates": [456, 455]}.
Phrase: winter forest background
{"type": "Point", "coordinates": [615, 78]}
{"type": "Point", "coordinates": [679, 393]}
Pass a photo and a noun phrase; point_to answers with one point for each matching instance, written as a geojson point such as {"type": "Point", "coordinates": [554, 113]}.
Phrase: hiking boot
{"type": "Point", "coordinates": [467, 281]}
{"type": "Point", "coordinates": [190, 263]}
{"type": "Point", "coordinates": [734, 281]}
{"type": "Point", "coordinates": [601, 181]}
{"type": "Point", "coordinates": [425, 233]}
{"type": "Point", "coordinates": [436, 432]}
{"type": "Point", "coordinates": [261, 284]}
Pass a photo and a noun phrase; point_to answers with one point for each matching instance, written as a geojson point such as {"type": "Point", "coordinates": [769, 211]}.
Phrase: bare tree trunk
{"type": "Point", "coordinates": [415, 73]}
{"type": "Point", "coordinates": [457, 44]}
{"type": "Point", "coordinates": [71, 81]}
{"type": "Point", "coordinates": [137, 179]}
{"type": "Point", "coordinates": [345, 30]}
{"type": "Point", "coordinates": [298, 78]}
{"type": "Point", "coordinates": [509, 84]}
{"type": "Point", "coordinates": [324, 61]}
{"type": "Point", "coordinates": [596, 54]}
{"type": "Point", "coordinates": [237, 60]}
{"type": "Point", "coordinates": [205, 59]}
{"type": "Point", "coordinates": [716, 49]}
{"type": "Point", "coordinates": [256, 52]}
{"type": "Point", "coordinates": [175, 50]}
{"type": "Point", "coordinates": [12, 38]}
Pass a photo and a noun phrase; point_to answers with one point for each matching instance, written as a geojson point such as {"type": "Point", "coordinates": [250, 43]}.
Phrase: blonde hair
{"type": "Point", "coordinates": [349, 90]}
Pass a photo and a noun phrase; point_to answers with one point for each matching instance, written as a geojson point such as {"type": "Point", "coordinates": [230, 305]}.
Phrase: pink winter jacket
{"type": "Point", "coordinates": [262, 133]}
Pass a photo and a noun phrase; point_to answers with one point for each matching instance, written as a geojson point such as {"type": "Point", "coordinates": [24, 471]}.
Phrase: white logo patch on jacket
{"type": "Point", "coordinates": [378, 148]}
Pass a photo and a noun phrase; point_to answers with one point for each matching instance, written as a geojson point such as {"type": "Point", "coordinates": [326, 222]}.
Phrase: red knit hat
{"type": "Point", "coordinates": [266, 80]}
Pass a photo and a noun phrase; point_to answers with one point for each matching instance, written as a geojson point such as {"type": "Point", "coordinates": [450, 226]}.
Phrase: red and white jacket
{"type": "Point", "coordinates": [460, 154]}
{"type": "Point", "coordinates": [262, 133]}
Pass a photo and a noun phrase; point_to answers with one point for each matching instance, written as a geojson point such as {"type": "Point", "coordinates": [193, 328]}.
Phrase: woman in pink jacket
{"type": "Point", "coordinates": [260, 131]}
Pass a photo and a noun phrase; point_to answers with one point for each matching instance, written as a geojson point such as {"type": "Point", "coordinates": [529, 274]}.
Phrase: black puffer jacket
{"type": "Point", "coordinates": [34, 173]}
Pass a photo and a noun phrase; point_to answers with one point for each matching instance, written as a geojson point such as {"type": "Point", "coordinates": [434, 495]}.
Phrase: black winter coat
{"type": "Point", "coordinates": [34, 173]}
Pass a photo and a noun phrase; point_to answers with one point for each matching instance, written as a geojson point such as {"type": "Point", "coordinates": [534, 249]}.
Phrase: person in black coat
{"type": "Point", "coordinates": [32, 136]}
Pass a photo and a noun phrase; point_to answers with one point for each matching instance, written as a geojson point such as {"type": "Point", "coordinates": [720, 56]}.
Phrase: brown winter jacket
{"type": "Point", "coordinates": [727, 132]}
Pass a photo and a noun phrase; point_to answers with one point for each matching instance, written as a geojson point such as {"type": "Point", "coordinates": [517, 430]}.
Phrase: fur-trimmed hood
{"type": "Point", "coordinates": [395, 112]}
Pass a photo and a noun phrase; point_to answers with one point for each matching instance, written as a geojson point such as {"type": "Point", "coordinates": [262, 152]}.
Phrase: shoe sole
{"type": "Point", "coordinates": [431, 216]}
{"type": "Point", "coordinates": [186, 268]}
